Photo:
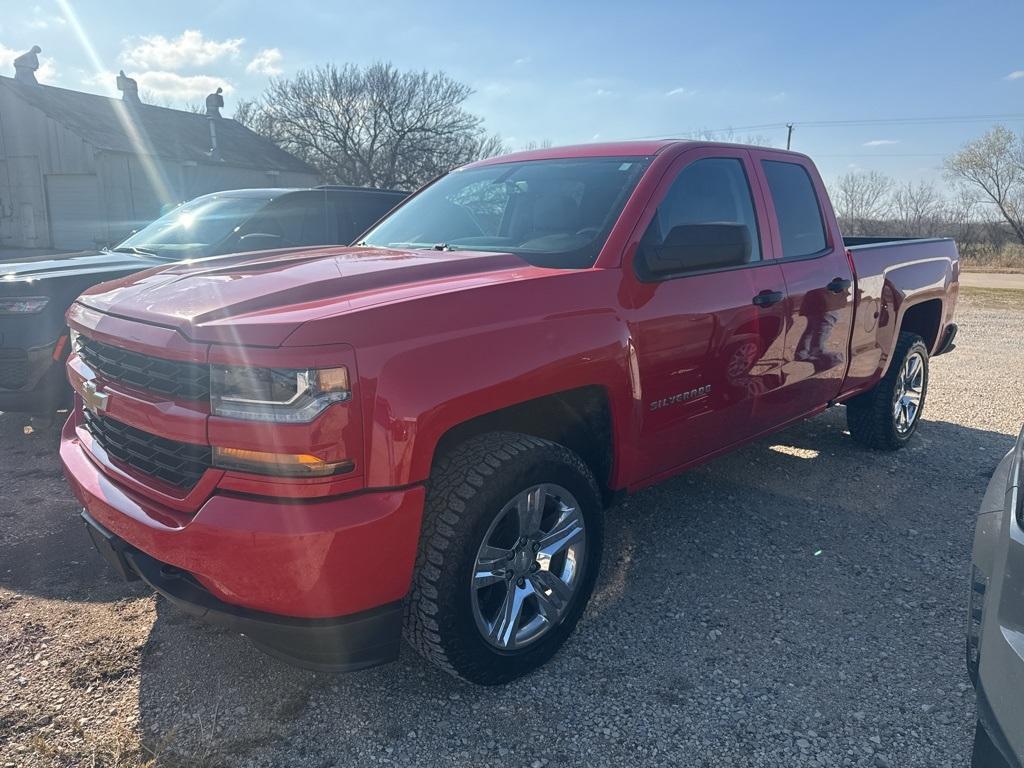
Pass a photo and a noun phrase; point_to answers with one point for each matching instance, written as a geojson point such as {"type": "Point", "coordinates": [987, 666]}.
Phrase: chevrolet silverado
{"type": "Point", "coordinates": [417, 434]}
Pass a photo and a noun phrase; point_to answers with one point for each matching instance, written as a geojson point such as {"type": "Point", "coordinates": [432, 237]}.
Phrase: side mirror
{"type": "Point", "coordinates": [695, 247]}
{"type": "Point", "coordinates": [260, 241]}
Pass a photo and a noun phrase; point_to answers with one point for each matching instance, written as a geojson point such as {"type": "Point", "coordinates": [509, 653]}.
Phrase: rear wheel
{"type": "Point", "coordinates": [886, 416]}
{"type": "Point", "coordinates": [511, 546]}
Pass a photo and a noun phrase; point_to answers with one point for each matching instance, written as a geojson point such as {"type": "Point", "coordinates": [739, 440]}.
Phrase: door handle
{"type": "Point", "coordinates": [839, 284]}
{"type": "Point", "coordinates": [766, 298]}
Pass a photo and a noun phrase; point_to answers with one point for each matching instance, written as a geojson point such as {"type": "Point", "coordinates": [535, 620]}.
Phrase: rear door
{"type": "Point", "coordinates": [708, 341]}
{"type": "Point", "coordinates": [819, 283]}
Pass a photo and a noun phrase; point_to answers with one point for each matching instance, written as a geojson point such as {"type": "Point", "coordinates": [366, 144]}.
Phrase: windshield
{"type": "Point", "coordinates": [554, 213]}
{"type": "Point", "coordinates": [194, 229]}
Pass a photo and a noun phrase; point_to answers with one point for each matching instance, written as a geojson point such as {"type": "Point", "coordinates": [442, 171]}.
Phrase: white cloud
{"type": "Point", "coordinates": [175, 87]}
{"type": "Point", "coordinates": [680, 92]}
{"type": "Point", "coordinates": [266, 62]}
{"type": "Point", "coordinates": [189, 49]}
{"type": "Point", "coordinates": [880, 142]}
{"type": "Point", "coordinates": [1017, 74]}
{"type": "Point", "coordinates": [521, 61]}
{"type": "Point", "coordinates": [604, 92]}
{"type": "Point", "coordinates": [47, 72]}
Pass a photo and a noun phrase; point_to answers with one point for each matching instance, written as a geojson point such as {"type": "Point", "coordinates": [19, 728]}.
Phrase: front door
{"type": "Point", "coordinates": [708, 333]}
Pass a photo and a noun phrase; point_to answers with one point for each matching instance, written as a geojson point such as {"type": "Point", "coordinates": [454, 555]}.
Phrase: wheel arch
{"type": "Point", "coordinates": [925, 319]}
{"type": "Point", "coordinates": [580, 419]}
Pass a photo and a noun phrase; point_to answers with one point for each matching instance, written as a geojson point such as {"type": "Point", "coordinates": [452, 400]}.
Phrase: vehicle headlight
{"type": "Point", "coordinates": [275, 394]}
{"type": "Point", "coordinates": [76, 340]}
{"type": "Point", "coordinates": [23, 305]}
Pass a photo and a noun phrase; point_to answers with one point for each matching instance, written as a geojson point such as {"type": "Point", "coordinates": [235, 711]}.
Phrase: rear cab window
{"type": "Point", "coordinates": [801, 227]}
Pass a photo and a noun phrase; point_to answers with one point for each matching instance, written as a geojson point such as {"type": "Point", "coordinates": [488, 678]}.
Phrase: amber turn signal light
{"type": "Point", "coordinates": [279, 464]}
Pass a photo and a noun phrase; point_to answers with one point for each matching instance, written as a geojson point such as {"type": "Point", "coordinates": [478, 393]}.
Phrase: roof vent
{"type": "Point", "coordinates": [25, 66]}
{"type": "Point", "coordinates": [214, 103]}
{"type": "Point", "coordinates": [129, 88]}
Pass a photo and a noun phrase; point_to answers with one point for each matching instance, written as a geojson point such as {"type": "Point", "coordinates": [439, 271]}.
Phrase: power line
{"type": "Point", "coordinates": [931, 120]}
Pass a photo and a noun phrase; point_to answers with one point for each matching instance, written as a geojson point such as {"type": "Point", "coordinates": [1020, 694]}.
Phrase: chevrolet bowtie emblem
{"type": "Point", "coordinates": [92, 398]}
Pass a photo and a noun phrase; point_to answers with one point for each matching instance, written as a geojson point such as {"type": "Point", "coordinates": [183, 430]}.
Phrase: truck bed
{"type": "Point", "coordinates": [892, 274]}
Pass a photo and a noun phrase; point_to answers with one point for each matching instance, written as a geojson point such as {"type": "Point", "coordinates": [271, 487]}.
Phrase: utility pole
{"type": "Point", "coordinates": [789, 135]}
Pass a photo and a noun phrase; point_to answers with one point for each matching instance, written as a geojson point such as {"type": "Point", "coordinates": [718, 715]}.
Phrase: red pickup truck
{"type": "Point", "coordinates": [323, 448]}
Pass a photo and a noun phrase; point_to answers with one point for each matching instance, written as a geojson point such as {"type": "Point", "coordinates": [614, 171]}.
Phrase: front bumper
{"type": "Point", "coordinates": [341, 644]}
{"type": "Point", "coordinates": [309, 581]}
{"type": "Point", "coordinates": [995, 647]}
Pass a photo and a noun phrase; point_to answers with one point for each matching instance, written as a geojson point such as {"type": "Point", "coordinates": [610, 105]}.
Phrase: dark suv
{"type": "Point", "coordinates": [35, 293]}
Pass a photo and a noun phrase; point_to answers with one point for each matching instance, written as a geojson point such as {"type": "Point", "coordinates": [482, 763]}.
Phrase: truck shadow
{"type": "Point", "coordinates": [802, 578]}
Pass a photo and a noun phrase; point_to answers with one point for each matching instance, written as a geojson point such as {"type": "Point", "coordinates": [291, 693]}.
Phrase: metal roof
{"type": "Point", "coordinates": [117, 126]}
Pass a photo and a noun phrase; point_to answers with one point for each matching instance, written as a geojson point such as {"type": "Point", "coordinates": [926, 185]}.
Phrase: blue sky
{"type": "Point", "coordinates": [583, 71]}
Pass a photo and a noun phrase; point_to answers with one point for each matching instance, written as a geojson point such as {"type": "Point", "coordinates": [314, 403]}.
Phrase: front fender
{"type": "Point", "coordinates": [428, 365]}
{"type": "Point", "coordinates": [422, 393]}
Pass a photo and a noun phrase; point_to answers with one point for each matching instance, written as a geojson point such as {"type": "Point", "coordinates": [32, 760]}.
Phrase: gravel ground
{"type": "Point", "coordinates": [798, 603]}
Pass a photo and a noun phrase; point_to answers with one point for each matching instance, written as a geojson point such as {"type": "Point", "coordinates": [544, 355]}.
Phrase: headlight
{"type": "Point", "coordinates": [75, 338]}
{"type": "Point", "coordinates": [275, 394]}
{"type": "Point", "coordinates": [23, 305]}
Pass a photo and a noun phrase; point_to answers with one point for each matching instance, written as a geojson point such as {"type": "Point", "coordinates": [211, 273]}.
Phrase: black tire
{"type": "Point", "coordinates": [870, 416]}
{"type": "Point", "coordinates": [468, 487]}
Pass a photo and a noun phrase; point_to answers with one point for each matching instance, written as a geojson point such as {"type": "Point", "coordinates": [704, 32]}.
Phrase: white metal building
{"type": "Point", "coordinates": [79, 170]}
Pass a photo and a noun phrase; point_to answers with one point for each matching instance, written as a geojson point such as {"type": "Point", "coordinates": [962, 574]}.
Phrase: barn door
{"type": "Point", "coordinates": [74, 208]}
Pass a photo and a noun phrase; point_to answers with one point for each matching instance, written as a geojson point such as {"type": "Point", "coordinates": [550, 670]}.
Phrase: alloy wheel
{"type": "Point", "coordinates": [909, 392]}
{"type": "Point", "coordinates": [529, 567]}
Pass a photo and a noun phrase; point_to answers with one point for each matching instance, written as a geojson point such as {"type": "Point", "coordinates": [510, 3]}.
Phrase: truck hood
{"type": "Point", "coordinates": [260, 299]}
{"type": "Point", "coordinates": [88, 265]}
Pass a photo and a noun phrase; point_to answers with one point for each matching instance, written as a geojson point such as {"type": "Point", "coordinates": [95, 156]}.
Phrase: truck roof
{"type": "Point", "coordinates": [612, 149]}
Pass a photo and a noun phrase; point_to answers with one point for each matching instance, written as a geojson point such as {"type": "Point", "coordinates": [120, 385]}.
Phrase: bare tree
{"type": "Point", "coordinates": [993, 168]}
{"type": "Point", "coordinates": [919, 210]}
{"type": "Point", "coordinates": [532, 145]}
{"type": "Point", "coordinates": [372, 125]}
{"type": "Point", "coordinates": [729, 136]}
{"type": "Point", "coordinates": [862, 198]}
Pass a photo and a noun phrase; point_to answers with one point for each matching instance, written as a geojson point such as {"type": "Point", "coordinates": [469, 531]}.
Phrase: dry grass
{"type": "Point", "coordinates": [993, 298]}
{"type": "Point", "coordinates": [983, 257]}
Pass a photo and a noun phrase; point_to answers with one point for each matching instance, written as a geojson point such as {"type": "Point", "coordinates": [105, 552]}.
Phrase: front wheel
{"type": "Point", "coordinates": [511, 547]}
{"type": "Point", "coordinates": [886, 416]}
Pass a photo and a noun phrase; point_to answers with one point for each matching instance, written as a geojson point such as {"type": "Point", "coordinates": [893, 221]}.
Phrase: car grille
{"type": "Point", "coordinates": [13, 368]}
{"type": "Point", "coordinates": [179, 464]}
{"type": "Point", "coordinates": [188, 381]}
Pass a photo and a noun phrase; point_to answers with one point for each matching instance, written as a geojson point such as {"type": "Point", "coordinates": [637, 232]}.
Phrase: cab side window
{"type": "Point", "coordinates": [294, 220]}
{"type": "Point", "coordinates": [796, 208]}
{"type": "Point", "coordinates": [706, 222]}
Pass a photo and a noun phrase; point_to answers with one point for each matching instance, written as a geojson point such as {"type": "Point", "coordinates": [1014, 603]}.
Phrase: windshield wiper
{"type": "Point", "coordinates": [442, 247]}
{"type": "Point", "coordinates": [136, 250]}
